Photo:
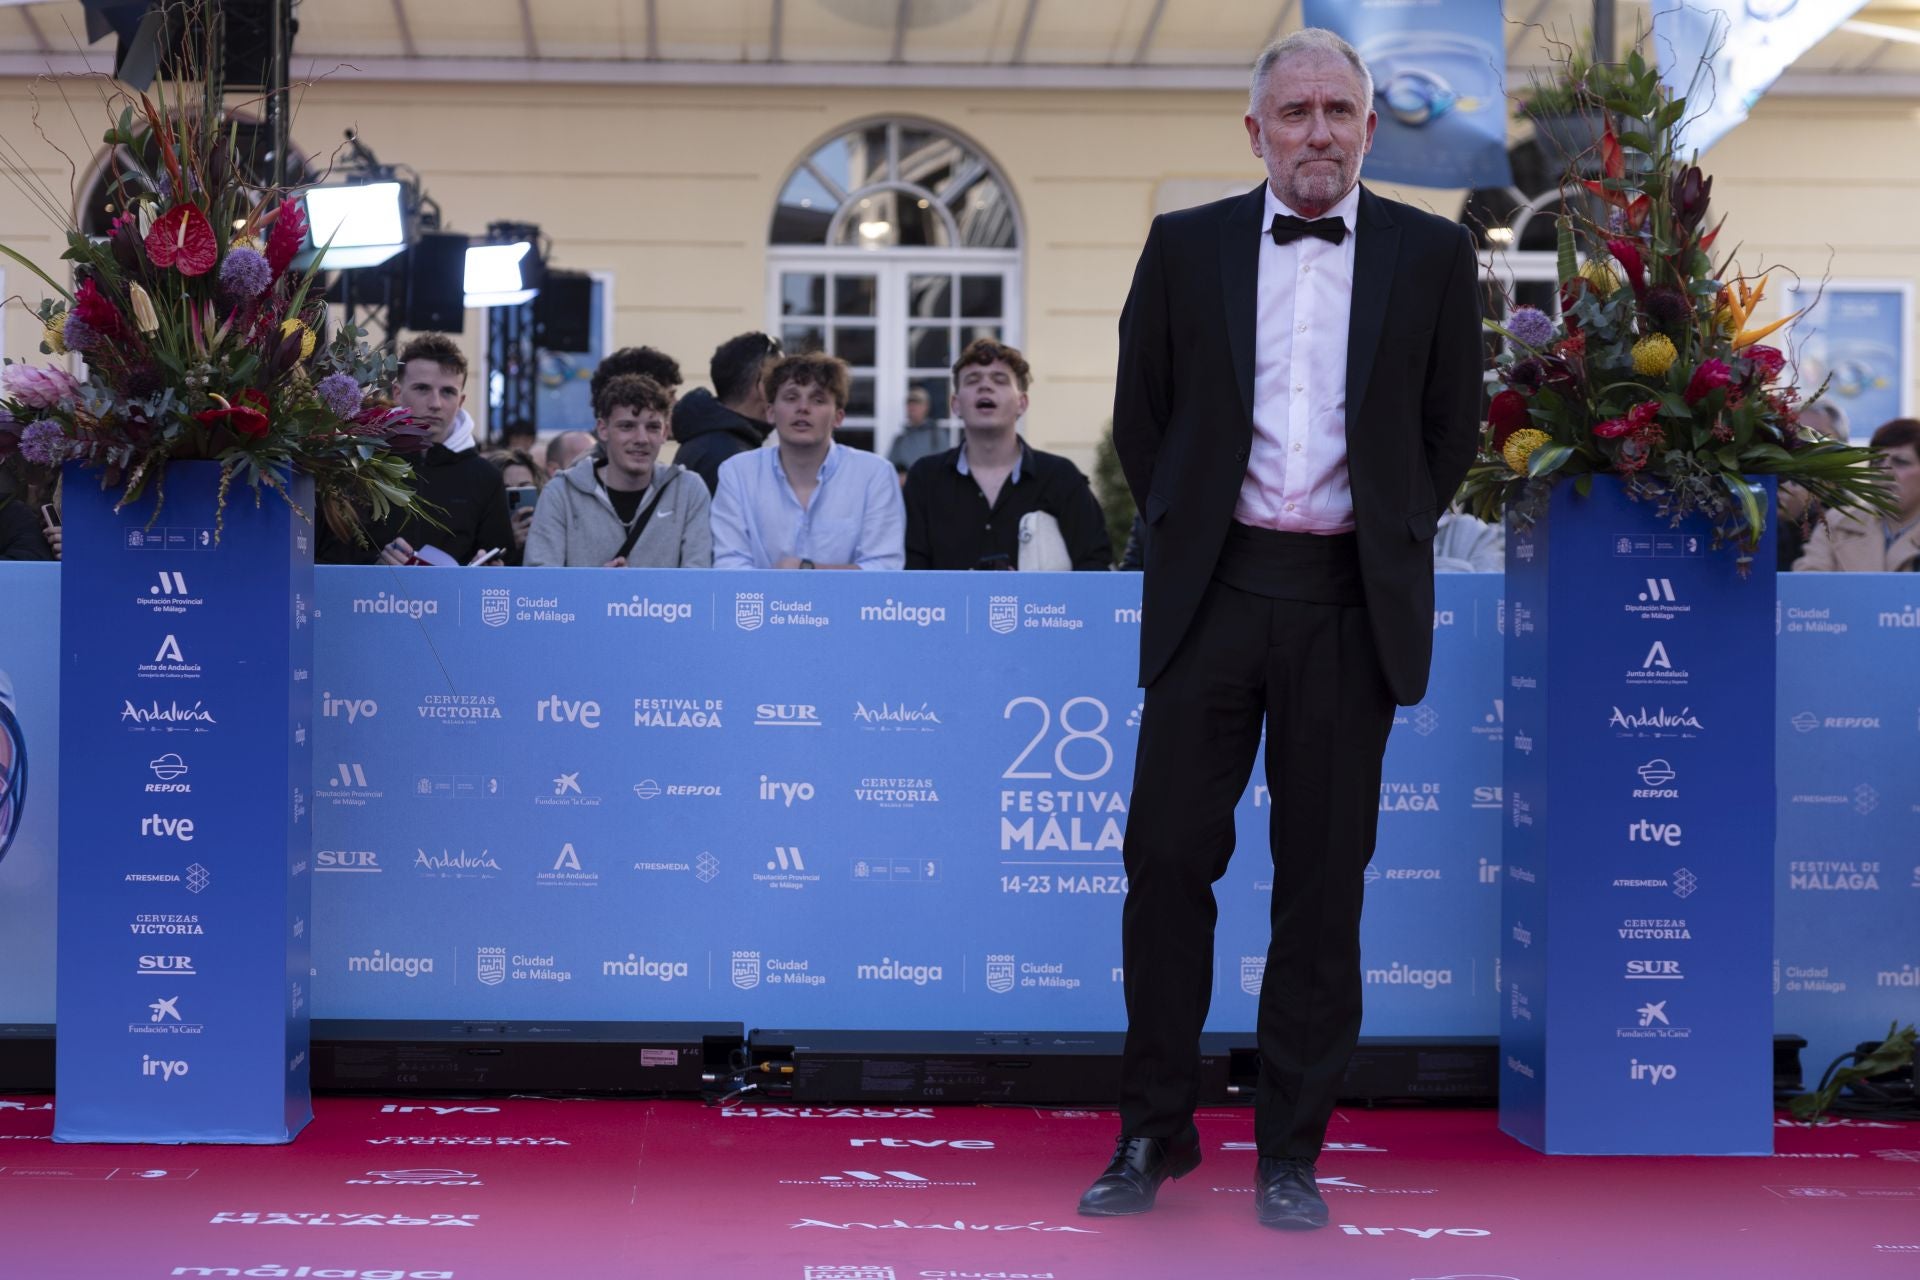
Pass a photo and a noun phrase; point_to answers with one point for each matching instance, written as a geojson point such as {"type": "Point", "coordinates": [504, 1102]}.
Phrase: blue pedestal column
{"type": "Point", "coordinates": [185, 706]}
{"type": "Point", "coordinates": [1637, 907]}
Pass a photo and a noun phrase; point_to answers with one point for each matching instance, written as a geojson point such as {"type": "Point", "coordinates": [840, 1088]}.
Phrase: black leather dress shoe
{"type": "Point", "coordinates": [1139, 1166]}
{"type": "Point", "coordinates": [1287, 1196]}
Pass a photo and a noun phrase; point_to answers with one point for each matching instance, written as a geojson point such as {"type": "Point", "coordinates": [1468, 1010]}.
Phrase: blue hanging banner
{"type": "Point", "coordinates": [1723, 55]}
{"type": "Point", "coordinates": [1637, 1016]}
{"type": "Point", "coordinates": [1439, 86]}
{"type": "Point", "coordinates": [186, 658]}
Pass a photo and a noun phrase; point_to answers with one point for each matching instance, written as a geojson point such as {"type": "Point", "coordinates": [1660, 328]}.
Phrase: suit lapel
{"type": "Point", "coordinates": [1376, 248]}
{"type": "Point", "coordinates": [1240, 286]}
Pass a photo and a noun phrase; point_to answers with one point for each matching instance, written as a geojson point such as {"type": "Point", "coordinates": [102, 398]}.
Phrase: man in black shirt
{"type": "Point", "coordinates": [965, 506]}
{"type": "Point", "coordinates": [712, 426]}
{"type": "Point", "coordinates": [461, 490]}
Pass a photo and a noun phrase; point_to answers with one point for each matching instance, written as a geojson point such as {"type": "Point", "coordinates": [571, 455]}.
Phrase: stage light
{"type": "Point", "coordinates": [501, 275]}
{"type": "Point", "coordinates": [358, 224]}
{"type": "Point", "coordinates": [1500, 235]}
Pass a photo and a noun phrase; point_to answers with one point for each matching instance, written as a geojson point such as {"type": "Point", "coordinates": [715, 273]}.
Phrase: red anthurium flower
{"type": "Point", "coordinates": [183, 239]}
{"type": "Point", "coordinates": [1707, 379]}
{"type": "Point", "coordinates": [249, 419]}
{"type": "Point", "coordinates": [1506, 414]}
{"type": "Point", "coordinates": [1639, 419]}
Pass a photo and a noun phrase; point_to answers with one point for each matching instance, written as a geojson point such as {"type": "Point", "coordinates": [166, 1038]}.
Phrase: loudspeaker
{"type": "Point", "coordinates": [436, 287]}
{"type": "Point", "coordinates": [154, 34]}
{"type": "Point", "coordinates": [563, 312]}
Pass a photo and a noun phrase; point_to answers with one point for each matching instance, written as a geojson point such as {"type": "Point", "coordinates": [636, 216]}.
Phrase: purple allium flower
{"type": "Point", "coordinates": [78, 334]}
{"type": "Point", "coordinates": [36, 386]}
{"type": "Point", "coordinates": [245, 273]}
{"type": "Point", "coordinates": [1532, 326]}
{"type": "Point", "coordinates": [44, 442]}
{"type": "Point", "coordinates": [340, 393]}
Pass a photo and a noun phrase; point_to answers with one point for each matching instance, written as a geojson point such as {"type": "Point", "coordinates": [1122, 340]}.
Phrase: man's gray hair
{"type": "Point", "coordinates": [1308, 40]}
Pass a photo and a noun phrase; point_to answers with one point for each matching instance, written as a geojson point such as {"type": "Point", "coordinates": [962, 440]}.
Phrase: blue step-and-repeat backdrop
{"type": "Point", "coordinates": [898, 801]}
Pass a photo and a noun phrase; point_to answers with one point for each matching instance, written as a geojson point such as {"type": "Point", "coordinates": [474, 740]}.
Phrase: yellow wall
{"type": "Point", "coordinates": [672, 189]}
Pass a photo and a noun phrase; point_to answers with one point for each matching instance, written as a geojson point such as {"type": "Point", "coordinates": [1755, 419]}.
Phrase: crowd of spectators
{"type": "Point", "coordinates": [756, 480]}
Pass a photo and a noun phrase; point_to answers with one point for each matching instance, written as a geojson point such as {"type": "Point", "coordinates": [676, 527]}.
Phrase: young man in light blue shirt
{"type": "Point", "coordinates": [808, 503]}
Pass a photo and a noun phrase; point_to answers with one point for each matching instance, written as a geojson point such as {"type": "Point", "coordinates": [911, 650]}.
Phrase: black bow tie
{"type": "Point", "coordinates": [1286, 229]}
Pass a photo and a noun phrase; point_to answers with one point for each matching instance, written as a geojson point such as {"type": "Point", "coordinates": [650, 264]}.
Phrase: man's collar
{"type": "Point", "coordinates": [829, 462]}
{"type": "Point", "coordinates": [1346, 208]}
{"type": "Point", "coordinates": [1019, 463]}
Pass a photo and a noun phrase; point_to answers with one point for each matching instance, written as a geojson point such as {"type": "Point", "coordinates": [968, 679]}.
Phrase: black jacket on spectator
{"type": "Point", "coordinates": [463, 491]}
{"type": "Point", "coordinates": [709, 433]}
{"type": "Point", "coordinates": [20, 536]}
{"type": "Point", "coordinates": [950, 525]}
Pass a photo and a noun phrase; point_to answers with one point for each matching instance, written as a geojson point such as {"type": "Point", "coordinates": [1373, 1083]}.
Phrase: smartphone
{"type": "Point", "coordinates": [50, 514]}
{"type": "Point", "coordinates": [523, 495]}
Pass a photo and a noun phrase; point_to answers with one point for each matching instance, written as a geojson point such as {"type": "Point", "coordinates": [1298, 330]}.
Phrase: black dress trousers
{"type": "Point", "coordinates": [1281, 639]}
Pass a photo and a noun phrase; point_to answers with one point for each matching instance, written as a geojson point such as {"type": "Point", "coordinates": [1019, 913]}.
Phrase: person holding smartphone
{"type": "Point", "coordinates": [468, 503]}
{"type": "Point", "coordinates": [524, 481]}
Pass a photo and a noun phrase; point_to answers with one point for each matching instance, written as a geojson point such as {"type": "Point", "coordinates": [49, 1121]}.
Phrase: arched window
{"type": "Point", "coordinates": [894, 243]}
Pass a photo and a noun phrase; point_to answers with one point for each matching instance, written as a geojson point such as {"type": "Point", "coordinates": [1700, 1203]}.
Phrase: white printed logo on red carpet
{"type": "Point", "coordinates": [252, 1218]}
{"type": "Point", "coordinates": [1846, 1193]}
{"type": "Point", "coordinates": [819, 1113]}
{"type": "Point", "coordinates": [417, 1178]}
{"type": "Point", "coordinates": [875, 1180]}
{"type": "Point", "coordinates": [467, 1142]}
{"type": "Point", "coordinates": [351, 1273]}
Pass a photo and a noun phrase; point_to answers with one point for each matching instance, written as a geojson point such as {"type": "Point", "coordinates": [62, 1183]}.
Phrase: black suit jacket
{"type": "Point", "coordinates": [1183, 408]}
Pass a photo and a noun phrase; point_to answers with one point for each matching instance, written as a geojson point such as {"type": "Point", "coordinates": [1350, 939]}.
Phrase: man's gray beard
{"type": "Point", "coordinates": [1315, 190]}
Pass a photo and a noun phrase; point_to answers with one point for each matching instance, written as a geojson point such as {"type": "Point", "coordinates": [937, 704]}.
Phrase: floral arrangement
{"type": "Point", "coordinates": [201, 340]}
{"type": "Point", "coordinates": [1655, 371]}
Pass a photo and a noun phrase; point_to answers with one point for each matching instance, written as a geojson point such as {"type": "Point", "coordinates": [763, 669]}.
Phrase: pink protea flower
{"type": "Point", "coordinates": [38, 386]}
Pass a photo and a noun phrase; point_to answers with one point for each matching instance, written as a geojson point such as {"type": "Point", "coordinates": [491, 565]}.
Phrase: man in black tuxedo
{"type": "Point", "coordinates": [1298, 399]}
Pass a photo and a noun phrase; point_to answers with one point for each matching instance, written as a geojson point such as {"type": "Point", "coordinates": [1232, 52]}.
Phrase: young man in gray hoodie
{"type": "Point", "coordinates": [588, 512]}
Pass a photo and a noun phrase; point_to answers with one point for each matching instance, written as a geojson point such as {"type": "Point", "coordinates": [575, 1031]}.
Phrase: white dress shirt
{"type": "Point", "coordinates": [1297, 470]}
{"type": "Point", "coordinates": [854, 515]}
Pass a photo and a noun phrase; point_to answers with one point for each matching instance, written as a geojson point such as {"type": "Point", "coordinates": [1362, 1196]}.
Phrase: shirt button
{"type": "Point", "coordinates": [1298, 447]}
{"type": "Point", "coordinates": [1297, 388]}
{"type": "Point", "coordinates": [1300, 328]}
{"type": "Point", "coordinates": [1290, 506]}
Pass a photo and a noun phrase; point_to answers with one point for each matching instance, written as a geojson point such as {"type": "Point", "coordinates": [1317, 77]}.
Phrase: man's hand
{"type": "Point", "coordinates": [787, 562]}
{"type": "Point", "coordinates": [618, 562]}
{"type": "Point", "coordinates": [53, 539]}
{"type": "Point", "coordinates": [522, 522]}
{"type": "Point", "coordinates": [399, 551]}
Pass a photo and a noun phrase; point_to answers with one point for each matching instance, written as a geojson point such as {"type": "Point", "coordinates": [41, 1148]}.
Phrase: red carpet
{"type": "Point", "coordinates": [526, 1190]}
